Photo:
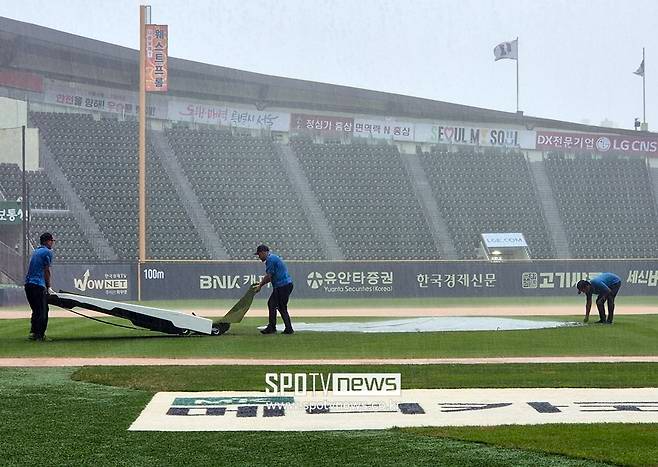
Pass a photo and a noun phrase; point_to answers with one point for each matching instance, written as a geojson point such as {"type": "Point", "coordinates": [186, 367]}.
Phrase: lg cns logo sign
{"type": "Point", "coordinates": [603, 144]}
{"type": "Point", "coordinates": [314, 280]}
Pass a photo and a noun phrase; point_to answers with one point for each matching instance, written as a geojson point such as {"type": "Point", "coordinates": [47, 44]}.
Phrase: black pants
{"type": "Point", "coordinates": [38, 300]}
{"type": "Point", "coordinates": [610, 298]}
{"type": "Point", "coordinates": [279, 301]}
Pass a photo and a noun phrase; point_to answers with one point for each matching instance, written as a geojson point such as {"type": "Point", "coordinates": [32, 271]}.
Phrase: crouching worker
{"type": "Point", "coordinates": [606, 286]}
{"type": "Point", "coordinates": [276, 272]}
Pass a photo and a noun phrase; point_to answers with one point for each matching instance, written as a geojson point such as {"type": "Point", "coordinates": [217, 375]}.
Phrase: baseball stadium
{"type": "Point", "coordinates": [443, 261]}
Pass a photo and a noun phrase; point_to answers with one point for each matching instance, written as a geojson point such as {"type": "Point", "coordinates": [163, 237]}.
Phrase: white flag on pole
{"type": "Point", "coordinates": [640, 69]}
{"type": "Point", "coordinates": [507, 50]}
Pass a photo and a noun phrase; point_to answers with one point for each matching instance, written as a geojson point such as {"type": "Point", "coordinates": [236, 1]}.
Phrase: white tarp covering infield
{"type": "Point", "coordinates": [257, 411]}
{"type": "Point", "coordinates": [433, 324]}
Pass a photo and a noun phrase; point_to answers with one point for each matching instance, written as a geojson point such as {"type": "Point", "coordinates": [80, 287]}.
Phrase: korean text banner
{"type": "Point", "coordinates": [100, 99]}
{"type": "Point", "coordinates": [321, 124]}
{"type": "Point", "coordinates": [384, 129]}
{"type": "Point", "coordinates": [157, 43]}
{"type": "Point", "coordinates": [21, 80]}
{"type": "Point", "coordinates": [352, 279]}
{"type": "Point", "coordinates": [596, 142]}
{"type": "Point", "coordinates": [11, 213]}
{"type": "Point", "coordinates": [228, 115]}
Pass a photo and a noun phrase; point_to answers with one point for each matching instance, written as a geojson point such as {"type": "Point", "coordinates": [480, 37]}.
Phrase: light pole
{"type": "Point", "coordinates": [24, 202]}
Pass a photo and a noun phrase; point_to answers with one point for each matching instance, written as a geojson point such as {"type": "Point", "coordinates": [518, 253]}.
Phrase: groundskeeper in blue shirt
{"type": "Point", "coordinates": [603, 282]}
{"type": "Point", "coordinates": [606, 285]}
{"type": "Point", "coordinates": [276, 272]}
{"type": "Point", "coordinates": [37, 286]}
{"type": "Point", "coordinates": [41, 258]}
{"type": "Point", "coordinates": [276, 268]}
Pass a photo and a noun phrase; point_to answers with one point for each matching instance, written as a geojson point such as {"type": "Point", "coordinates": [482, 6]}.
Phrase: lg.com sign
{"type": "Point", "coordinates": [333, 384]}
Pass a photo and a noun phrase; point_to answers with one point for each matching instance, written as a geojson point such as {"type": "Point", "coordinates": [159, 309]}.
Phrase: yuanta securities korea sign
{"type": "Point", "coordinates": [352, 282]}
{"type": "Point", "coordinates": [597, 143]}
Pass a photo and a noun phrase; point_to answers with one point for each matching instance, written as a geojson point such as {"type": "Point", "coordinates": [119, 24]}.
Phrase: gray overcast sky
{"type": "Point", "coordinates": [576, 57]}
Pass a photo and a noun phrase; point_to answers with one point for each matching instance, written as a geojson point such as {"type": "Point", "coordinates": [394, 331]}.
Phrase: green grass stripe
{"type": "Point", "coordinates": [50, 420]}
{"type": "Point", "coordinates": [75, 337]}
{"type": "Point", "coordinates": [252, 378]}
{"type": "Point", "coordinates": [619, 443]}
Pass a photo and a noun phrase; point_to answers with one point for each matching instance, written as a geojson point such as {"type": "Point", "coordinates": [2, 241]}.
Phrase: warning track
{"type": "Point", "coordinates": [137, 361]}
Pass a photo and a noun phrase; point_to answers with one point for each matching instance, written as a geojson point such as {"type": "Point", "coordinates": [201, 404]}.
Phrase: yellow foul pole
{"type": "Point", "coordinates": [142, 147]}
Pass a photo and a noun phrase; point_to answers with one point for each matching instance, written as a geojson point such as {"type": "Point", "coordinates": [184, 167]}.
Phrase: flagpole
{"type": "Point", "coordinates": [644, 101]}
{"type": "Point", "coordinates": [517, 74]}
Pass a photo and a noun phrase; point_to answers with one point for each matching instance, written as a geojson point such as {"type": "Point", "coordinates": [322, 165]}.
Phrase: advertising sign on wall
{"type": "Point", "coordinates": [227, 115]}
{"type": "Point", "coordinates": [504, 240]}
{"type": "Point", "coordinates": [109, 281]}
{"type": "Point", "coordinates": [155, 68]}
{"type": "Point", "coordinates": [11, 213]}
{"type": "Point", "coordinates": [395, 279]}
{"type": "Point", "coordinates": [598, 143]}
{"type": "Point", "coordinates": [384, 129]}
{"type": "Point", "coordinates": [100, 99]}
{"type": "Point", "coordinates": [21, 80]}
{"type": "Point", "coordinates": [450, 133]}
{"type": "Point", "coordinates": [321, 124]}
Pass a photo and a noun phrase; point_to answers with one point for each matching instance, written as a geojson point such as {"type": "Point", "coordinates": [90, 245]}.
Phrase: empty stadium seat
{"type": "Point", "coordinates": [368, 200]}
{"type": "Point", "coordinates": [486, 192]}
{"type": "Point", "coordinates": [99, 159]}
{"type": "Point", "coordinates": [245, 191]}
{"type": "Point", "coordinates": [606, 206]}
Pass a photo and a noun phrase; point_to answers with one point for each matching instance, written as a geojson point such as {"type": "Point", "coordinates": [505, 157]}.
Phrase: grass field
{"type": "Point", "coordinates": [63, 417]}
{"type": "Point", "coordinates": [75, 337]}
{"type": "Point", "coordinates": [80, 416]}
{"type": "Point", "coordinates": [251, 378]}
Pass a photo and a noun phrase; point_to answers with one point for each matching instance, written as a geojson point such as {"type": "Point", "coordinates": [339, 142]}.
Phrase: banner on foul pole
{"type": "Point", "coordinates": [157, 41]}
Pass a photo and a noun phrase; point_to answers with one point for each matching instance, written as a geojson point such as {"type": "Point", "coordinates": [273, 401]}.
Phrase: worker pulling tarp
{"type": "Point", "coordinates": [157, 319]}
